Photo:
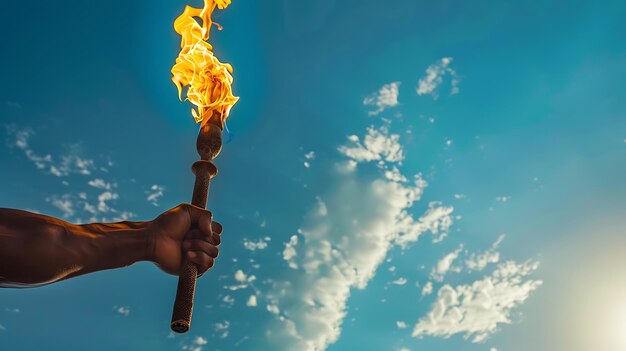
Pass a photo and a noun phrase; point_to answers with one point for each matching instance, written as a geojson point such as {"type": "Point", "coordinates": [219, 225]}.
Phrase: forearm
{"type": "Point", "coordinates": [37, 249]}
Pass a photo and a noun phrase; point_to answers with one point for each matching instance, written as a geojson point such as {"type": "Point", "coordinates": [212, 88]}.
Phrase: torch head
{"type": "Point", "coordinates": [209, 142]}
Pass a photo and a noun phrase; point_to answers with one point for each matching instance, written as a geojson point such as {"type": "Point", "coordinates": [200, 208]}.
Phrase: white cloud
{"type": "Point", "coordinates": [386, 97]}
{"type": "Point", "coordinates": [197, 343]}
{"type": "Point", "coordinates": [252, 301]}
{"type": "Point", "coordinates": [444, 265]}
{"type": "Point", "coordinates": [222, 329]}
{"type": "Point", "coordinates": [321, 207]}
{"type": "Point", "coordinates": [435, 74]}
{"type": "Point", "coordinates": [428, 289]}
{"type": "Point", "coordinates": [243, 281]}
{"type": "Point", "coordinates": [228, 300]}
{"type": "Point", "coordinates": [503, 198]}
{"type": "Point", "coordinates": [437, 219]}
{"type": "Point", "coordinates": [346, 167]}
{"type": "Point", "coordinates": [123, 216]}
{"type": "Point", "coordinates": [273, 309]}
{"type": "Point", "coordinates": [261, 244]}
{"type": "Point", "coordinates": [200, 341]}
{"type": "Point", "coordinates": [342, 251]}
{"type": "Point", "coordinates": [63, 203]}
{"type": "Point", "coordinates": [71, 162]}
{"type": "Point", "coordinates": [378, 145]}
{"type": "Point", "coordinates": [399, 281]}
{"type": "Point", "coordinates": [103, 198]}
{"type": "Point", "coordinates": [100, 184]}
{"type": "Point", "coordinates": [401, 325]}
{"type": "Point", "coordinates": [123, 310]}
{"type": "Point", "coordinates": [156, 192]}
{"type": "Point", "coordinates": [395, 175]}
{"type": "Point", "coordinates": [290, 253]}
{"type": "Point", "coordinates": [478, 262]}
{"type": "Point", "coordinates": [477, 309]}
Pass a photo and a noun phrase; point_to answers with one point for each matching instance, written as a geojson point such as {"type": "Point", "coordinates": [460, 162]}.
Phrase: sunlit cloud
{"type": "Point", "coordinates": [385, 98]}
{"type": "Point", "coordinates": [435, 74]}
{"type": "Point", "coordinates": [342, 249]}
{"type": "Point", "coordinates": [477, 309]}
{"type": "Point", "coordinates": [444, 265]}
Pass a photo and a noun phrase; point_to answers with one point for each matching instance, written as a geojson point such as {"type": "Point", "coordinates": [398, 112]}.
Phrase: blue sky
{"type": "Point", "coordinates": [398, 176]}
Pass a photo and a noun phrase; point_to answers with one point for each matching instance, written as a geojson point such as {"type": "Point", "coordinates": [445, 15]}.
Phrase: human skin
{"type": "Point", "coordinates": [36, 250]}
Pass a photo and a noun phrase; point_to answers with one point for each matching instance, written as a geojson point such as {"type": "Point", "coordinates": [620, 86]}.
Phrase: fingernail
{"type": "Point", "coordinates": [191, 254]}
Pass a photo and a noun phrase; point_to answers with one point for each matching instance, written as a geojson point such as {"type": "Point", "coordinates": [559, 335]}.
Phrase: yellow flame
{"type": "Point", "coordinates": [208, 81]}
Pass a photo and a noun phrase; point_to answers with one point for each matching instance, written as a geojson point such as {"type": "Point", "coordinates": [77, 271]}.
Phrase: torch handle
{"type": "Point", "coordinates": [183, 305]}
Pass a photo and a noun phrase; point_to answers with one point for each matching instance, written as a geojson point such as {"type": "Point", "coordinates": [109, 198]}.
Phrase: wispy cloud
{"type": "Point", "coordinates": [378, 145]}
{"type": "Point", "coordinates": [122, 310]}
{"type": "Point", "coordinates": [104, 198]}
{"type": "Point", "coordinates": [64, 203]}
{"type": "Point", "coordinates": [427, 289]}
{"type": "Point", "coordinates": [387, 96]}
{"type": "Point", "coordinates": [260, 244]}
{"type": "Point", "coordinates": [290, 252]}
{"type": "Point", "coordinates": [155, 193]}
{"type": "Point", "coordinates": [444, 265]}
{"type": "Point", "coordinates": [342, 250]}
{"type": "Point", "coordinates": [478, 262]}
{"type": "Point", "coordinates": [70, 163]}
{"type": "Point", "coordinates": [197, 344]}
{"type": "Point", "coordinates": [101, 184]}
{"type": "Point", "coordinates": [477, 309]}
{"type": "Point", "coordinates": [435, 74]}
{"type": "Point", "coordinates": [399, 281]}
{"type": "Point", "coordinates": [243, 281]}
{"type": "Point", "coordinates": [222, 329]}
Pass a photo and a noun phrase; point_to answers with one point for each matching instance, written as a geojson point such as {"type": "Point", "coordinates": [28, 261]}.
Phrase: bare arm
{"type": "Point", "coordinates": [37, 249]}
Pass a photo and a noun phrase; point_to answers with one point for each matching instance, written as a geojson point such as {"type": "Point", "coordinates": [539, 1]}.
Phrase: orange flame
{"type": "Point", "coordinates": [208, 81]}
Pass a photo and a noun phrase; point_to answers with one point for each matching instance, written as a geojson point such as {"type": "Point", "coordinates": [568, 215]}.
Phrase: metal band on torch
{"type": "Point", "coordinates": [208, 145]}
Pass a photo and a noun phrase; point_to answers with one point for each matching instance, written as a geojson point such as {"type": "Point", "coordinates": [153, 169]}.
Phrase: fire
{"type": "Point", "coordinates": [208, 81]}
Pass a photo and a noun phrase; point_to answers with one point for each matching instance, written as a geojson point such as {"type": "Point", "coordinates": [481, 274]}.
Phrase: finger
{"type": "Point", "coordinates": [196, 214]}
{"type": "Point", "coordinates": [204, 224]}
{"type": "Point", "coordinates": [196, 234]}
{"type": "Point", "coordinates": [201, 260]}
{"type": "Point", "coordinates": [201, 246]}
{"type": "Point", "coordinates": [213, 239]}
{"type": "Point", "coordinates": [217, 228]}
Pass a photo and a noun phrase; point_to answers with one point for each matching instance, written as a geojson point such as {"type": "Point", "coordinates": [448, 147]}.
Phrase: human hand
{"type": "Point", "coordinates": [188, 230]}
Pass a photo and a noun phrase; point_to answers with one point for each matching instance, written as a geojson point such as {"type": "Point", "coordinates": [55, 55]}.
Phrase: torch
{"type": "Point", "coordinates": [208, 84]}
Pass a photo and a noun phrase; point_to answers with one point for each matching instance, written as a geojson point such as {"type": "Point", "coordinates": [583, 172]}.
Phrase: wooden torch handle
{"type": "Point", "coordinates": [209, 145]}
